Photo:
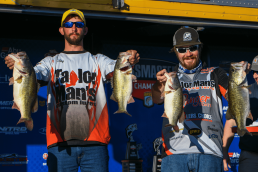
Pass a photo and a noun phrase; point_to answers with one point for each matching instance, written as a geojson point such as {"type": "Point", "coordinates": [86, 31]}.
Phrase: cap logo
{"type": "Point", "coordinates": [187, 36]}
{"type": "Point", "coordinates": [72, 10]}
{"type": "Point", "coordinates": [255, 61]}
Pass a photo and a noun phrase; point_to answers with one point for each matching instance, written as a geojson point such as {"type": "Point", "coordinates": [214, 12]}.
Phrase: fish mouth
{"type": "Point", "coordinates": [21, 72]}
{"type": "Point", "coordinates": [123, 69]}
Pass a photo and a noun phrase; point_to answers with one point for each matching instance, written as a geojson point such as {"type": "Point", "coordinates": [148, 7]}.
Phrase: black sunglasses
{"type": "Point", "coordinates": [77, 24]}
{"type": "Point", "coordinates": [191, 49]}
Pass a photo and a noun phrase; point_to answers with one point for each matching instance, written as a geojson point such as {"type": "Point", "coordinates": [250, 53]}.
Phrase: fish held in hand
{"type": "Point", "coordinates": [238, 97]}
{"type": "Point", "coordinates": [174, 101]}
{"type": "Point", "coordinates": [24, 88]}
{"type": "Point", "coordinates": [122, 83]}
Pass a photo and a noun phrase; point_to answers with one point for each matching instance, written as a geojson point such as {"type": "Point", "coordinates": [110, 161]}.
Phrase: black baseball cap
{"type": "Point", "coordinates": [255, 64]}
{"type": "Point", "coordinates": [186, 36]}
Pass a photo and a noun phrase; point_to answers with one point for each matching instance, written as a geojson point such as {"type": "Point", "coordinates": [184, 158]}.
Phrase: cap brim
{"type": "Point", "coordinates": [254, 67]}
{"type": "Point", "coordinates": [188, 43]}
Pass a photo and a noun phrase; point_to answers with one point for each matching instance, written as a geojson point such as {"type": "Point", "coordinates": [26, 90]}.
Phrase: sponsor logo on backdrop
{"type": "Point", "coordinates": [8, 50]}
{"type": "Point", "coordinates": [45, 156]}
{"type": "Point", "coordinates": [4, 79]}
{"type": "Point", "coordinates": [146, 71]}
{"type": "Point", "coordinates": [6, 104]}
{"type": "Point", "coordinates": [147, 99]}
{"type": "Point", "coordinates": [13, 130]}
{"type": "Point", "coordinates": [234, 158]}
{"type": "Point", "coordinates": [42, 103]}
{"type": "Point", "coordinates": [42, 130]}
{"type": "Point", "coordinates": [194, 131]}
{"type": "Point", "coordinates": [13, 159]}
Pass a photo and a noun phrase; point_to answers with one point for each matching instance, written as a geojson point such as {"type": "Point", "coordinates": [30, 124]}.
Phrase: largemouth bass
{"type": "Point", "coordinates": [174, 101]}
{"type": "Point", "coordinates": [24, 88]}
{"type": "Point", "coordinates": [238, 96]}
{"type": "Point", "coordinates": [122, 83]}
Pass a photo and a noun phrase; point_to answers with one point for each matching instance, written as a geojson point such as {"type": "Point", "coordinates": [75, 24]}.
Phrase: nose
{"type": "Point", "coordinates": [74, 27]}
{"type": "Point", "coordinates": [188, 53]}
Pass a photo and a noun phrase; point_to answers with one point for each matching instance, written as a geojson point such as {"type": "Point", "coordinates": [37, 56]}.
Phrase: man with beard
{"type": "Point", "coordinates": [77, 116]}
{"type": "Point", "coordinates": [197, 146]}
{"type": "Point", "coordinates": [248, 144]}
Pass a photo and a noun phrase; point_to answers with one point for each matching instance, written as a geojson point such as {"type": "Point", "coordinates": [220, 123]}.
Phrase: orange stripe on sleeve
{"type": "Point", "coordinates": [165, 147]}
{"type": "Point", "coordinates": [223, 91]}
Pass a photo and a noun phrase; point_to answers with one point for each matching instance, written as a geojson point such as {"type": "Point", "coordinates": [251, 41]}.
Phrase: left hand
{"type": "Point", "coordinates": [134, 58]}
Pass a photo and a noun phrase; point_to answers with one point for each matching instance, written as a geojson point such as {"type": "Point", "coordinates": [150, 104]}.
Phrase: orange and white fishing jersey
{"type": "Point", "coordinates": [76, 105]}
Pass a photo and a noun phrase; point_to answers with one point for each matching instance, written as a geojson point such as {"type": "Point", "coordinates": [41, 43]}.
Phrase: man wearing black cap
{"type": "Point", "coordinates": [198, 144]}
{"type": "Point", "coordinates": [248, 144]}
{"type": "Point", "coordinates": [77, 128]}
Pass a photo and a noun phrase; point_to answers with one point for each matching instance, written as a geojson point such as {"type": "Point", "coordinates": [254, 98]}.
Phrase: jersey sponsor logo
{"type": "Point", "coordinates": [13, 130]}
{"type": "Point", "coordinates": [67, 94]}
{"type": "Point", "coordinates": [175, 138]}
{"type": "Point", "coordinates": [213, 136]}
{"type": "Point", "coordinates": [212, 129]}
{"type": "Point", "coordinates": [198, 84]}
{"type": "Point", "coordinates": [148, 100]}
{"type": "Point", "coordinates": [208, 70]}
{"type": "Point", "coordinates": [234, 158]}
{"type": "Point", "coordinates": [197, 101]}
{"type": "Point", "coordinates": [198, 116]}
{"type": "Point", "coordinates": [45, 156]}
{"type": "Point", "coordinates": [194, 131]}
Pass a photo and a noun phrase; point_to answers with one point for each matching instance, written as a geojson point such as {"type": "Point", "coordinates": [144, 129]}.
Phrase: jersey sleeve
{"type": "Point", "coordinates": [106, 66]}
{"type": "Point", "coordinates": [43, 70]}
{"type": "Point", "coordinates": [222, 81]}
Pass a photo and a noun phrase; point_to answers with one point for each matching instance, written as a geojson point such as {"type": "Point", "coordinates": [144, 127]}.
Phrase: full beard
{"type": "Point", "coordinates": [74, 41]}
{"type": "Point", "coordinates": [192, 65]}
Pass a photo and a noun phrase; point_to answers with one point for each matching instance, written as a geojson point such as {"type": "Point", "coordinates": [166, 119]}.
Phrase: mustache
{"type": "Point", "coordinates": [74, 33]}
{"type": "Point", "coordinates": [188, 58]}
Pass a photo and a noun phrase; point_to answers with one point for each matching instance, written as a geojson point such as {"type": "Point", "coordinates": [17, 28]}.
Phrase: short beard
{"type": "Point", "coordinates": [192, 66]}
{"type": "Point", "coordinates": [75, 41]}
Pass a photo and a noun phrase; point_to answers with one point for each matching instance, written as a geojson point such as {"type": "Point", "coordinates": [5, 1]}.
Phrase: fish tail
{"type": "Point", "coordinates": [243, 132]}
{"type": "Point", "coordinates": [123, 111]}
{"type": "Point", "coordinates": [28, 123]}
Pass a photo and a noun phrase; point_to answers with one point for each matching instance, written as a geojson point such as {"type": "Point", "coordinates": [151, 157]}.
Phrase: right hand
{"type": "Point", "coordinates": [161, 78]}
{"type": "Point", "coordinates": [9, 62]}
{"type": "Point", "coordinates": [226, 161]}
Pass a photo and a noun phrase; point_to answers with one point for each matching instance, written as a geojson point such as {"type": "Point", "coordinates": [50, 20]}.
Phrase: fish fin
{"type": "Point", "coordinates": [184, 101]}
{"type": "Point", "coordinates": [112, 82]}
{"type": "Point", "coordinates": [226, 95]}
{"type": "Point", "coordinates": [15, 106]}
{"type": "Point", "coordinates": [134, 78]}
{"type": "Point", "coordinates": [228, 115]}
{"type": "Point", "coordinates": [182, 117]}
{"type": "Point", "coordinates": [19, 79]}
{"type": "Point", "coordinates": [113, 98]}
{"type": "Point", "coordinates": [131, 100]}
{"type": "Point", "coordinates": [167, 92]}
{"type": "Point", "coordinates": [28, 123]}
{"type": "Point", "coordinates": [241, 133]}
{"type": "Point", "coordinates": [120, 111]}
{"type": "Point", "coordinates": [250, 116]}
{"type": "Point", "coordinates": [246, 86]}
{"type": "Point", "coordinates": [35, 107]}
{"type": "Point", "coordinates": [11, 81]}
{"type": "Point", "coordinates": [164, 115]}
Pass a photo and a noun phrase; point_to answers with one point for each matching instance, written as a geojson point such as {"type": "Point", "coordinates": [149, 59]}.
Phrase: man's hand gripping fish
{"type": "Point", "coordinates": [24, 88]}
{"type": "Point", "coordinates": [174, 101]}
{"type": "Point", "coordinates": [122, 83]}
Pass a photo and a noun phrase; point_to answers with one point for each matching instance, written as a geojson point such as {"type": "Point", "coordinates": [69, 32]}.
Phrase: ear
{"type": "Point", "coordinates": [61, 30]}
{"type": "Point", "coordinates": [85, 30]}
